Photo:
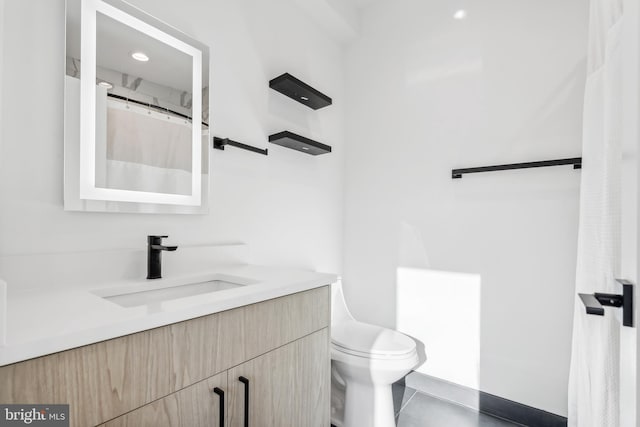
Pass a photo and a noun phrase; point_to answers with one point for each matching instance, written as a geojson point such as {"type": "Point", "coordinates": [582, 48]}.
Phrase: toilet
{"type": "Point", "coordinates": [366, 359]}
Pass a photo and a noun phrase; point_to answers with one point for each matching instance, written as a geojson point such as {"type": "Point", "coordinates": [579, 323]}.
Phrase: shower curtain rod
{"type": "Point", "coordinates": [575, 161]}
{"type": "Point", "coordinates": [155, 107]}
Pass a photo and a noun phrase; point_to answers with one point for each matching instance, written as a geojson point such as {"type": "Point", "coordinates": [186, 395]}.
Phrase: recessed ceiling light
{"type": "Point", "coordinates": [139, 56]}
{"type": "Point", "coordinates": [460, 14]}
{"type": "Point", "coordinates": [106, 85]}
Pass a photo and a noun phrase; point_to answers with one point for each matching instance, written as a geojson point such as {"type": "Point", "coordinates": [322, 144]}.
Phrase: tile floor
{"type": "Point", "coordinates": [421, 410]}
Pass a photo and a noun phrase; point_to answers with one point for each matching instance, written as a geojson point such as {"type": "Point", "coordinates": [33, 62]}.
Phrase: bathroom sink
{"type": "Point", "coordinates": [154, 292]}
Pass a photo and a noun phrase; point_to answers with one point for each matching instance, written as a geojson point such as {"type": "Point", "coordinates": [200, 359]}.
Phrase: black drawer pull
{"type": "Point", "coordinates": [245, 381]}
{"type": "Point", "coordinates": [220, 393]}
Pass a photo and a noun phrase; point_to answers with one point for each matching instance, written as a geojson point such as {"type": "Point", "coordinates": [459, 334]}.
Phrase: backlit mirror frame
{"type": "Point", "coordinates": [87, 167]}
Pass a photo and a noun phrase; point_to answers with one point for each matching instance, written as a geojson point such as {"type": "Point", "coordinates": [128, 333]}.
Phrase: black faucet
{"type": "Point", "coordinates": [154, 256]}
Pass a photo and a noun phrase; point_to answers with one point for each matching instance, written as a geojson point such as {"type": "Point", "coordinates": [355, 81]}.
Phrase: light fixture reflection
{"type": "Point", "coordinates": [140, 56]}
{"type": "Point", "coordinates": [460, 14]}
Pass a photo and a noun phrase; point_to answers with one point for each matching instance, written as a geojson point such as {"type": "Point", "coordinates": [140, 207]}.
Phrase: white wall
{"type": "Point", "coordinates": [427, 93]}
{"type": "Point", "coordinates": [286, 206]}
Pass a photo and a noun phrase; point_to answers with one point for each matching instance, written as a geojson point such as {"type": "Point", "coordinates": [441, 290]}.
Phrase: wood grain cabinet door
{"type": "Point", "coordinates": [194, 406]}
{"type": "Point", "coordinates": [288, 387]}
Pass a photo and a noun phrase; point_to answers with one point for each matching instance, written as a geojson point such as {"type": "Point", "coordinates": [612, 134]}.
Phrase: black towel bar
{"type": "Point", "coordinates": [220, 143]}
{"type": "Point", "coordinates": [575, 161]}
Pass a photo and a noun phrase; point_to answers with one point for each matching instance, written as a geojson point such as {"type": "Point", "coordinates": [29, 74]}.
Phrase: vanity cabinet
{"type": "Point", "coordinates": [166, 376]}
{"type": "Point", "coordinates": [288, 386]}
{"type": "Point", "coordinates": [193, 406]}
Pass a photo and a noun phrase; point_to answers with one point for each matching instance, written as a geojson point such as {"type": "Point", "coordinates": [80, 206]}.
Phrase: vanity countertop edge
{"type": "Point", "coordinates": [41, 321]}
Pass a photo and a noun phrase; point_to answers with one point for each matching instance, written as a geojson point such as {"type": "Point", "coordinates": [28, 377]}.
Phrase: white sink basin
{"type": "Point", "coordinates": [152, 293]}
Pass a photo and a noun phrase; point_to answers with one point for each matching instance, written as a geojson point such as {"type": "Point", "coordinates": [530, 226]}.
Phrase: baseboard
{"type": "Point", "coordinates": [484, 402]}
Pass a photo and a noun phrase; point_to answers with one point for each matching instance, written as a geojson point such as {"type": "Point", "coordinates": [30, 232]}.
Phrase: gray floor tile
{"type": "Point", "coordinates": [427, 411]}
{"type": "Point", "coordinates": [401, 395]}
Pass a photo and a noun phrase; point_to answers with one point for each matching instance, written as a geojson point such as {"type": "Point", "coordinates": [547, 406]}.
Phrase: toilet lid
{"type": "Point", "coordinates": [364, 338]}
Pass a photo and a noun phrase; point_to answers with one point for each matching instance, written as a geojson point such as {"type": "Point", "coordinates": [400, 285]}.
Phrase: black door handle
{"type": "Point", "coordinates": [245, 381]}
{"type": "Point", "coordinates": [220, 393]}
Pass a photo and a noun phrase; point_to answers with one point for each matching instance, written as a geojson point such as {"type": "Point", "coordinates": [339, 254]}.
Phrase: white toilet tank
{"type": "Point", "coordinates": [339, 310]}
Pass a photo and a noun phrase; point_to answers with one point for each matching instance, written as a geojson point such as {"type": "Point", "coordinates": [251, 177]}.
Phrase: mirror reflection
{"type": "Point", "coordinates": [141, 148]}
{"type": "Point", "coordinates": [145, 145]}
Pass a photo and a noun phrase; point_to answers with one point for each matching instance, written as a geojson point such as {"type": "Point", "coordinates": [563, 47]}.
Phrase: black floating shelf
{"type": "Point", "coordinates": [300, 143]}
{"type": "Point", "coordinates": [575, 161]}
{"type": "Point", "coordinates": [300, 91]}
{"type": "Point", "coordinates": [220, 143]}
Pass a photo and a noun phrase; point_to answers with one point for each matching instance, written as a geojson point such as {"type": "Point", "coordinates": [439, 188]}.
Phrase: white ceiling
{"type": "Point", "coordinates": [361, 4]}
{"type": "Point", "coordinates": [339, 18]}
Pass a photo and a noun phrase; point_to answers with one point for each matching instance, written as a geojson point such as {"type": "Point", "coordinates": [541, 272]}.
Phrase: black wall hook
{"type": "Point", "coordinates": [594, 302]}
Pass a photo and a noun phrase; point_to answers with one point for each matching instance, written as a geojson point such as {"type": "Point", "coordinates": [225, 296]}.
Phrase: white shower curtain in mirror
{"type": "Point", "coordinates": [594, 377]}
{"type": "Point", "coordinates": [146, 151]}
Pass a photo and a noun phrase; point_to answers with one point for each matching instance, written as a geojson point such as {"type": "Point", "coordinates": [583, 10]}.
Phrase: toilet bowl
{"type": "Point", "coordinates": [367, 359]}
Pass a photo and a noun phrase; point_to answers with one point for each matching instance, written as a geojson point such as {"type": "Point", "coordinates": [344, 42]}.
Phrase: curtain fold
{"type": "Point", "coordinates": [594, 375]}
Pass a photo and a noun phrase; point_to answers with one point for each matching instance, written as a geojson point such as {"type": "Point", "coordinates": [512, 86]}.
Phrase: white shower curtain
{"type": "Point", "coordinates": [145, 150]}
{"type": "Point", "coordinates": [594, 378]}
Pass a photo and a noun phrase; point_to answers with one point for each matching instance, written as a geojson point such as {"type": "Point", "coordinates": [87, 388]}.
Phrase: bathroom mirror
{"type": "Point", "coordinates": [136, 112]}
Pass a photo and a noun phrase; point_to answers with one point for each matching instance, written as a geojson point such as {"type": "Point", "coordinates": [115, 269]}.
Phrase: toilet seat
{"type": "Point", "coordinates": [335, 349]}
{"type": "Point", "coordinates": [371, 341]}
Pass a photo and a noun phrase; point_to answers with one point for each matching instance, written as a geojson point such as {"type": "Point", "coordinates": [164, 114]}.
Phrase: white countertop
{"type": "Point", "coordinates": [45, 321]}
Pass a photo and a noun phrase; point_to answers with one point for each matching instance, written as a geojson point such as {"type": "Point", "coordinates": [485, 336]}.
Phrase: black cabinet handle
{"type": "Point", "coordinates": [245, 381]}
{"type": "Point", "coordinates": [220, 393]}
